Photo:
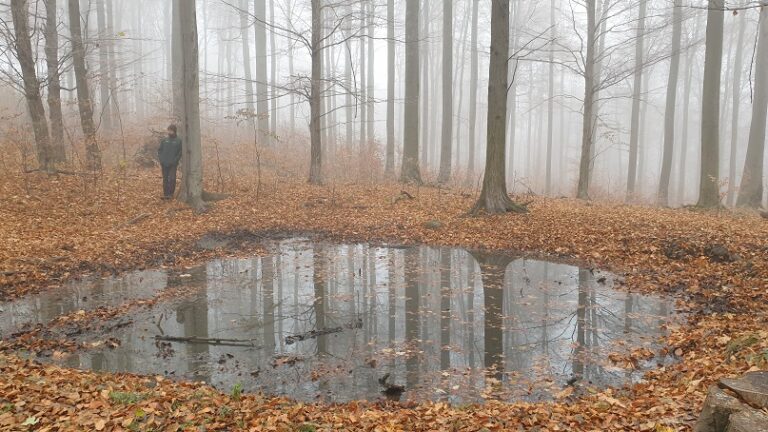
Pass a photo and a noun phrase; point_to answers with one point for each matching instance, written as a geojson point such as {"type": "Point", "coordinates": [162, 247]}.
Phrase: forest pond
{"type": "Point", "coordinates": [323, 321]}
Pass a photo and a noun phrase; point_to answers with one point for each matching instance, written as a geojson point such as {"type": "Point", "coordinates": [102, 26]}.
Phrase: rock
{"type": "Point", "coordinates": [718, 408]}
{"type": "Point", "coordinates": [748, 421]}
{"type": "Point", "coordinates": [211, 242]}
{"type": "Point", "coordinates": [752, 388]}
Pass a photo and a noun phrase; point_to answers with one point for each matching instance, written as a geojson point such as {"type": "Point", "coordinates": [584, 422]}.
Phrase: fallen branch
{"type": "Point", "coordinates": [312, 334]}
{"type": "Point", "coordinates": [208, 341]}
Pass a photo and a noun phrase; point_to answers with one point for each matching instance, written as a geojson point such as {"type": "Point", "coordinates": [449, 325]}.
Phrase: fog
{"type": "Point", "coordinates": [130, 69]}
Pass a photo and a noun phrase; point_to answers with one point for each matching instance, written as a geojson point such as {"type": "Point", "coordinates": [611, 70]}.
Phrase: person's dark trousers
{"type": "Point", "coordinates": [169, 180]}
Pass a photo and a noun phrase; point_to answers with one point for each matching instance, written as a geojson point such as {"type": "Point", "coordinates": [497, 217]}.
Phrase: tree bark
{"type": "Point", "coordinates": [473, 83]}
{"type": "Point", "coordinates": [447, 121]}
{"type": "Point", "coordinates": [424, 85]}
{"type": "Point", "coordinates": [493, 197]}
{"type": "Point", "coordinates": [363, 147]}
{"type": "Point", "coordinates": [551, 100]}
{"type": "Point", "coordinates": [190, 86]}
{"type": "Point", "coordinates": [751, 190]}
{"type": "Point", "coordinates": [636, 92]}
{"type": "Point", "coordinates": [106, 106]}
{"type": "Point", "coordinates": [669, 110]}
{"type": "Point", "coordinates": [247, 65]}
{"type": "Point", "coordinates": [709, 193]}
{"type": "Point", "coordinates": [20, 16]}
{"type": "Point", "coordinates": [315, 168]}
{"type": "Point", "coordinates": [737, 70]}
{"type": "Point", "coordinates": [409, 172]}
{"type": "Point", "coordinates": [262, 92]}
{"type": "Point", "coordinates": [587, 128]}
{"type": "Point", "coordinates": [272, 72]}
{"type": "Point", "coordinates": [389, 167]}
{"type": "Point", "coordinates": [54, 83]}
{"type": "Point", "coordinates": [84, 101]}
{"type": "Point", "coordinates": [371, 64]}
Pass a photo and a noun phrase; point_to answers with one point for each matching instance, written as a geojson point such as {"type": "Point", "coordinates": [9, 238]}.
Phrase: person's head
{"type": "Point", "coordinates": [172, 130]}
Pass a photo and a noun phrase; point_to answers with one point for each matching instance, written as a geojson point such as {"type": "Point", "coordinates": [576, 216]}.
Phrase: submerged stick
{"type": "Point", "coordinates": [209, 341]}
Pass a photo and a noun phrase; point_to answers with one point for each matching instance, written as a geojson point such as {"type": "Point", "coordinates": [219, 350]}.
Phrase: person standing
{"type": "Point", "coordinates": [169, 155]}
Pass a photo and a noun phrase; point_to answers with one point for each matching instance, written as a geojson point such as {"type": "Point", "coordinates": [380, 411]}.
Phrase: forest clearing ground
{"type": "Point", "coordinates": [55, 229]}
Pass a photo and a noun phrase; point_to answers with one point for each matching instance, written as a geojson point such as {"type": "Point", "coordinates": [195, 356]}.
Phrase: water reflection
{"type": "Point", "coordinates": [328, 321]}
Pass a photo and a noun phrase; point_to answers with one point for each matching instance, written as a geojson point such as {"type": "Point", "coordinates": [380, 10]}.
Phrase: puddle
{"type": "Point", "coordinates": [342, 322]}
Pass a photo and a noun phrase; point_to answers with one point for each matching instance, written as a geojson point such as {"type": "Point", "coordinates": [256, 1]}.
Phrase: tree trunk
{"type": "Point", "coordinates": [409, 172]}
{"type": "Point", "coordinates": [669, 110]}
{"type": "Point", "coordinates": [348, 102]}
{"type": "Point", "coordinates": [424, 86]}
{"type": "Point", "coordinates": [190, 81]}
{"type": "Point", "coordinates": [363, 90]}
{"type": "Point", "coordinates": [106, 106]}
{"type": "Point", "coordinates": [493, 197]}
{"type": "Point", "coordinates": [737, 70]}
{"type": "Point", "coordinates": [447, 121]}
{"type": "Point", "coordinates": [84, 102]}
{"type": "Point", "coordinates": [597, 79]}
{"type": "Point", "coordinates": [473, 83]}
{"type": "Point", "coordinates": [370, 108]}
{"type": "Point", "coordinates": [262, 93]}
{"type": "Point", "coordinates": [709, 194]}
{"type": "Point", "coordinates": [247, 64]}
{"type": "Point", "coordinates": [389, 167]}
{"type": "Point", "coordinates": [636, 92]}
{"type": "Point", "coordinates": [292, 113]}
{"type": "Point", "coordinates": [272, 72]}
{"type": "Point", "coordinates": [684, 134]}
{"type": "Point", "coordinates": [20, 15]}
{"type": "Point", "coordinates": [551, 101]}
{"type": "Point", "coordinates": [315, 168]}
{"type": "Point", "coordinates": [138, 68]}
{"type": "Point", "coordinates": [587, 128]}
{"type": "Point", "coordinates": [751, 190]}
{"type": "Point", "coordinates": [57, 153]}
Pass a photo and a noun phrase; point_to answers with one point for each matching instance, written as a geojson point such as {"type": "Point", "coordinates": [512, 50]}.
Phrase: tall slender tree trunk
{"type": "Point", "coordinates": [20, 16]}
{"type": "Point", "coordinates": [587, 128]}
{"type": "Point", "coordinates": [54, 83]}
{"type": "Point", "coordinates": [669, 110]}
{"type": "Point", "coordinates": [738, 68]}
{"type": "Point", "coordinates": [389, 166]}
{"type": "Point", "coordinates": [709, 191]}
{"type": "Point", "coordinates": [104, 80]}
{"type": "Point", "coordinates": [473, 83]}
{"type": "Point", "coordinates": [138, 66]}
{"type": "Point", "coordinates": [636, 93]}
{"type": "Point", "coordinates": [292, 111]}
{"type": "Point", "coordinates": [751, 190]}
{"type": "Point", "coordinates": [684, 134]}
{"type": "Point", "coordinates": [190, 94]}
{"type": "Point", "coordinates": [409, 172]}
{"type": "Point", "coordinates": [598, 76]}
{"type": "Point", "coordinates": [348, 100]}
{"type": "Point", "coordinates": [493, 197]}
{"type": "Point", "coordinates": [247, 64]}
{"type": "Point", "coordinates": [424, 86]}
{"type": "Point", "coordinates": [551, 100]}
{"type": "Point", "coordinates": [262, 92]}
{"type": "Point", "coordinates": [84, 102]}
{"type": "Point", "coordinates": [447, 122]}
{"type": "Point", "coordinates": [272, 72]}
{"type": "Point", "coordinates": [315, 168]}
{"type": "Point", "coordinates": [363, 89]}
{"type": "Point", "coordinates": [371, 67]}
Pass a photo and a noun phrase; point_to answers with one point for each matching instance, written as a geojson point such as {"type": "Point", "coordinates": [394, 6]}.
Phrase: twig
{"type": "Point", "coordinates": [209, 341]}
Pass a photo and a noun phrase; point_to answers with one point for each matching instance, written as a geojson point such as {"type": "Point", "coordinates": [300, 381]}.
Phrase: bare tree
{"type": "Point", "coordinates": [315, 168]}
{"type": "Point", "coordinates": [104, 70]}
{"type": "Point", "coordinates": [54, 82]}
{"type": "Point", "coordinates": [84, 101]}
{"type": "Point", "coordinates": [473, 83]}
{"type": "Point", "coordinates": [20, 16]}
{"type": "Point", "coordinates": [669, 110]}
{"type": "Point", "coordinates": [447, 137]}
{"type": "Point", "coordinates": [389, 167]}
{"type": "Point", "coordinates": [550, 99]}
{"type": "Point", "coordinates": [636, 92]}
{"type": "Point", "coordinates": [751, 190]}
{"type": "Point", "coordinates": [247, 61]}
{"type": "Point", "coordinates": [192, 157]}
{"type": "Point", "coordinates": [587, 129]}
{"type": "Point", "coordinates": [738, 68]}
{"type": "Point", "coordinates": [493, 197]}
{"type": "Point", "coordinates": [262, 92]}
{"type": "Point", "coordinates": [709, 194]}
{"type": "Point", "coordinates": [409, 172]}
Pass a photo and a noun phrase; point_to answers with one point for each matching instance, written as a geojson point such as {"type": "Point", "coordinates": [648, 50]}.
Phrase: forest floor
{"type": "Point", "coordinates": [56, 229]}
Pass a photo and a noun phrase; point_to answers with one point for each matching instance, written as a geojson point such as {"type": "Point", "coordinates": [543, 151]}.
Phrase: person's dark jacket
{"type": "Point", "coordinates": [169, 152]}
